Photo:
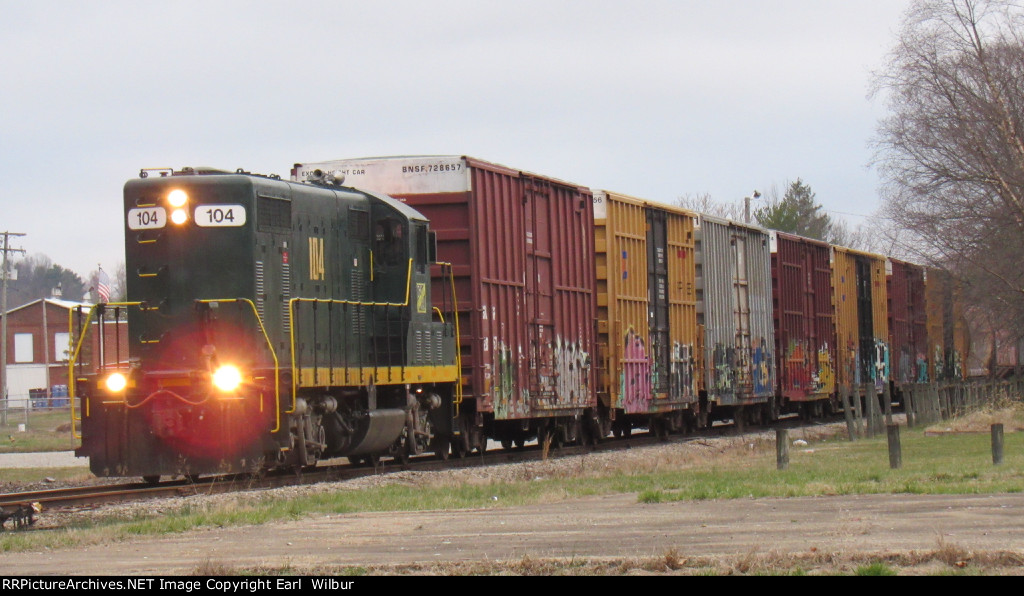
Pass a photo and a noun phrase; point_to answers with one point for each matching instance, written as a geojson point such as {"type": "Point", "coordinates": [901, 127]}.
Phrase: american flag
{"type": "Point", "coordinates": [103, 285]}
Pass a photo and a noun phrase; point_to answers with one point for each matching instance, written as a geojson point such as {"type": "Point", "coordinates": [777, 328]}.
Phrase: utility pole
{"type": "Point", "coordinates": [746, 205]}
{"type": "Point", "coordinates": [4, 274]}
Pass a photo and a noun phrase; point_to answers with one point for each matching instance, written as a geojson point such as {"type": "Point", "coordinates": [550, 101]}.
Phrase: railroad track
{"type": "Point", "coordinates": [100, 495]}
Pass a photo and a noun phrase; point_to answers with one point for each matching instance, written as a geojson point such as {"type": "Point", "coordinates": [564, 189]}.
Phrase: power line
{"type": "Point", "coordinates": [845, 213]}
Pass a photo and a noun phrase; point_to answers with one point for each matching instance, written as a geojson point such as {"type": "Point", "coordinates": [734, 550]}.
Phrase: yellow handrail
{"type": "Point", "coordinates": [408, 290]}
{"type": "Point", "coordinates": [458, 338]}
{"type": "Point", "coordinates": [78, 348]}
{"type": "Point", "coordinates": [291, 322]}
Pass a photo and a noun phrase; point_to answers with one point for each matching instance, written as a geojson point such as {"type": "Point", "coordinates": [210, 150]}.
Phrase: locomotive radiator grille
{"type": "Point", "coordinates": [260, 289]}
{"type": "Point", "coordinates": [286, 294]}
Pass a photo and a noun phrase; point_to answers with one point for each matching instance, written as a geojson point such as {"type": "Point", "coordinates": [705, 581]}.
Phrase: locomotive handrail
{"type": "Point", "coordinates": [73, 359]}
{"type": "Point", "coordinates": [291, 322]}
{"type": "Point", "coordinates": [270, 345]}
{"type": "Point", "coordinates": [458, 338]}
{"type": "Point", "coordinates": [408, 287]}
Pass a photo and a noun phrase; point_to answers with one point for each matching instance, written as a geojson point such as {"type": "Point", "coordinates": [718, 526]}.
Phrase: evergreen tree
{"type": "Point", "coordinates": [39, 277]}
{"type": "Point", "coordinates": [797, 213]}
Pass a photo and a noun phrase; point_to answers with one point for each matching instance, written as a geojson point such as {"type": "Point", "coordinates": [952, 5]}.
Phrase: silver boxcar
{"type": "Point", "coordinates": [734, 304]}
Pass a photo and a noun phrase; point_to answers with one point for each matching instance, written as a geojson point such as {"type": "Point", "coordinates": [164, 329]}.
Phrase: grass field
{"type": "Point", "coordinates": [44, 430]}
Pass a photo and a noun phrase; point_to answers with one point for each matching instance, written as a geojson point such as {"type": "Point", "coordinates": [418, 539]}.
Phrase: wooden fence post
{"type": "Point", "coordinates": [908, 404]}
{"type": "Point", "coordinates": [782, 449]}
{"type": "Point", "coordinates": [997, 444]}
{"type": "Point", "coordinates": [851, 430]}
{"type": "Point", "coordinates": [895, 452]}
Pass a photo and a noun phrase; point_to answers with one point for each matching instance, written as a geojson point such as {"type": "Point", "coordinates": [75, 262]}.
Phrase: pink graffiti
{"type": "Point", "coordinates": [635, 387]}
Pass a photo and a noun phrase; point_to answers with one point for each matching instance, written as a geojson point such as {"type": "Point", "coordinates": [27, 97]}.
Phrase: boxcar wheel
{"type": "Point", "coordinates": [442, 447]}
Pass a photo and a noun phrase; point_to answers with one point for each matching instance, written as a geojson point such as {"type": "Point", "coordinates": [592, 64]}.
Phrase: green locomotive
{"type": "Point", "coordinates": [270, 324]}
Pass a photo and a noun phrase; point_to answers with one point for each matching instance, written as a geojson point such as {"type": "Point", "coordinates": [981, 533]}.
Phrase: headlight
{"type": "Point", "coordinates": [179, 216]}
{"type": "Point", "coordinates": [227, 378]}
{"type": "Point", "coordinates": [177, 198]}
{"type": "Point", "coordinates": [116, 382]}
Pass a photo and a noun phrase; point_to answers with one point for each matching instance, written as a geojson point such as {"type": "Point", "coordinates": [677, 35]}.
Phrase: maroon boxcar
{"type": "Point", "coordinates": [805, 335]}
{"type": "Point", "coordinates": [908, 331]}
{"type": "Point", "coordinates": [522, 250]}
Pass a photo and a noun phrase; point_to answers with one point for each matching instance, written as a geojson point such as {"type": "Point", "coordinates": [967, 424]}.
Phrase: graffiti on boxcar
{"type": "Point", "coordinates": [572, 372]}
{"type": "Point", "coordinates": [922, 368]}
{"type": "Point", "coordinates": [811, 371]}
{"type": "Point", "coordinates": [800, 374]}
{"type": "Point", "coordinates": [635, 376]}
{"type": "Point", "coordinates": [881, 372]}
{"type": "Point", "coordinates": [503, 383]}
{"type": "Point", "coordinates": [939, 364]}
{"type": "Point", "coordinates": [681, 371]}
{"type": "Point", "coordinates": [722, 369]}
{"type": "Point", "coordinates": [761, 367]}
{"type": "Point", "coordinates": [853, 369]}
{"type": "Point", "coordinates": [957, 364]}
{"type": "Point", "coordinates": [906, 367]}
{"type": "Point", "coordinates": [826, 374]}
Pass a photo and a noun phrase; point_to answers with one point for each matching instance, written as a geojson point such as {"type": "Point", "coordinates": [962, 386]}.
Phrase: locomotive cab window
{"type": "Point", "coordinates": [422, 257]}
{"type": "Point", "coordinates": [389, 242]}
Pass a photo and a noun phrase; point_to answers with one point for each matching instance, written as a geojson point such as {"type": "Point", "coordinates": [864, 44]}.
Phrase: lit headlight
{"type": "Point", "coordinates": [116, 382]}
{"type": "Point", "coordinates": [179, 216]}
{"type": "Point", "coordinates": [177, 198]}
{"type": "Point", "coordinates": [227, 378]}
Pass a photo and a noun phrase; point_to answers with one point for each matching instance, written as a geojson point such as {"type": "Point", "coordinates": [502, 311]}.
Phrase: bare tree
{"type": "Point", "coordinates": [951, 151]}
{"type": "Point", "coordinates": [703, 203]}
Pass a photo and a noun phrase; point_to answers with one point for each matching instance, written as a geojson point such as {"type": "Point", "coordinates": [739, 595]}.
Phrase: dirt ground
{"type": "Point", "coordinates": [826, 533]}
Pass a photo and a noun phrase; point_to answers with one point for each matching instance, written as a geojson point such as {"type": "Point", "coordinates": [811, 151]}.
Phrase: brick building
{"type": "Point", "coordinates": [39, 344]}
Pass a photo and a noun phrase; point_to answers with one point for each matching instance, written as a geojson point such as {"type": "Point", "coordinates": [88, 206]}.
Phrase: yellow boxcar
{"type": "Point", "coordinates": [948, 342]}
{"type": "Point", "coordinates": [646, 310]}
{"type": "Point", "coordinates": [862, 327]}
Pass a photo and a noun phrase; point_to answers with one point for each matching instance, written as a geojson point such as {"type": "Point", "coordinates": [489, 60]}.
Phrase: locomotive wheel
{"type": "Point", "coordinates": [459, 447]}
{"type": "Point", "coordinates": [506, 443]}
{"type": "Point", "coordinates": [442, 447]}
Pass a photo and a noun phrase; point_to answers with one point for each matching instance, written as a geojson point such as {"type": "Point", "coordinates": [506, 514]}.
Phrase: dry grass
{"type": "Point", "coordinates": [1010, 415]}
{"type": "Point", "coordinates": [946, 559]}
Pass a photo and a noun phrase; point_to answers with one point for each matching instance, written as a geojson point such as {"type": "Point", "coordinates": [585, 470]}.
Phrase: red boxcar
{"type": "Point", "coordinates": [522, 249]}
{"type": "Point", "coordinates": [805, 334]}
{"type": "Point", "coordinates": [908, 331]}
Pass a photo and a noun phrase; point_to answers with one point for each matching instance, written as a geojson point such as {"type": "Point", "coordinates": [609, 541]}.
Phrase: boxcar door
{"type": "Point", "coordinates": [657, 302]}
{"type": "Point", "coordinates": [865, 321]}
{"type": "Point", "coordinates": [741, 314]}
{"type": "Point", "coordinates": [539, 296]}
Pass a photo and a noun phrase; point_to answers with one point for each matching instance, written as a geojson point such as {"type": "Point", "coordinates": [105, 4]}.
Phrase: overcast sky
{"type": "Point", "coordinates": [653, 98]}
